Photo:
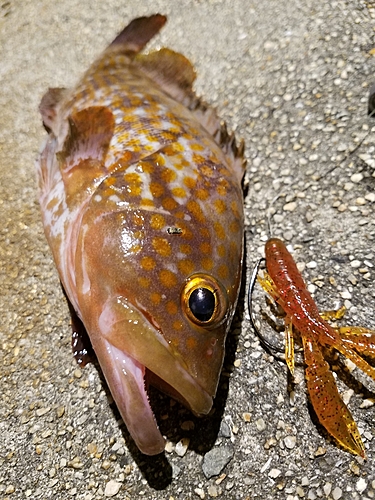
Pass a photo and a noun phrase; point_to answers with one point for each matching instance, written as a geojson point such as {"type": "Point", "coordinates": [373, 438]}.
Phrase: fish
{"type": "Point", "coordinates": [140, 188]}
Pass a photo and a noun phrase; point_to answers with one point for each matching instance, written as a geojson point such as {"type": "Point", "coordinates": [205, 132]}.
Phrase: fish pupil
{"type": "Point", "coordinates": [202, 303]}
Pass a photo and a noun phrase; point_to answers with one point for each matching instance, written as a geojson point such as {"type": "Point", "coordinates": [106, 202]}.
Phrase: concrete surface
{"type": "Point", "coordinates": [291, 77]}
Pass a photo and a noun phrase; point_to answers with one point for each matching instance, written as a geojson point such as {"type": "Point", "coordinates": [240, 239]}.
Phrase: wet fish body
{"type": "Point", "coordinates": [140, 191]}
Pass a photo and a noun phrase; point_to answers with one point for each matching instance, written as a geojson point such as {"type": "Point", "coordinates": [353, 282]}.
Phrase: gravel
{"type": "Point", "coordinates": [292, 78]}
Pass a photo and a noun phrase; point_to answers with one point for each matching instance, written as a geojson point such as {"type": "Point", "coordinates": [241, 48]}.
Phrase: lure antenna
{"type": "Point", "coordinates": [270, 348]}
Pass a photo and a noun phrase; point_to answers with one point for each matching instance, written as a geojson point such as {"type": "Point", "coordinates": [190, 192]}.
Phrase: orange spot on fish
{"type": "Point", "coordinates": [207, 263]}
{"type": "Point", "coordinates": [138, 219]}
{"type": "Point", "coordinates": [221, 251]}
{"type": "Point", "coordinates": [148, 263]}
{"type": "Point", "coordinates": [156, 189]}
{"type": "Point", "coordinates": [223, 271]}
{"type": "Point", "coordinates": [195, 209]}
{"type": "Point", "coordinates": [189, 182]}
{"type": "Point", "coordinates": [204, 232]}
{"type": "Point", "coordinates": [207, 171]}
{"type": "Point", "coordinates": [235, 210]}
{"type": "Point", "coordinates": [157, 221]}
{"type": "Point", "coordinates": [186, 266]}
{"type": "Point", "coordinates": [199, 159]}
{"type": "Point", "coordinates": [135, 248]}
{"type": "Point", "coordinates": [155, 298]}
{"type": "Point", "coordinates": [219, 230]}
{"type": "Point", "coordinates": [234, 227]}
{"type": "Point", "coordinates": [178, 192]}
{"type": "Point", "coordinates": [146, 202]}
{"type": "Point", "coordinates": [169, 204]}
{"type": "Point", "coordinates": [220, 206]}
{"type": "Point", "coordinates": [168, 278]}
{"type": "Point", "coordinates": [205, 247]}
{"type": "Point", "coordinates": [171, 307]}
{"type": "Point", "coordinates": [144, 282]}
{"type": "Point", "coordinates": [147, 167]}
{"type": "Point", "coordinates": [177, 325]}
{"type": "Point", "coordinates": [222, 188]}
{"type": "Point", "coordinates": [134, 184]}
{"type": "Point", "coordinates": [162, 246]}
{"type": "Point", "coordinates": [185, 248]}
{"type": "Point", "coordinates": [202, 194]}
{"type": "Point", "coordinates": [191, 343]}
{"type": "Point", "coordinates": [168, 175]}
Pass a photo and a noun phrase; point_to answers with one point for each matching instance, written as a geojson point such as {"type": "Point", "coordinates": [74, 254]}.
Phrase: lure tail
{"type": "Point", "coordinates": [330, 409]}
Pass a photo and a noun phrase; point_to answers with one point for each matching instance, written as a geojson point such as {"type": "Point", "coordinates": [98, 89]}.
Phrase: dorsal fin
{"type": "Point", "coordinates": [137, 34]}
{"type": "Point", "coordinates": [172, 71]}
{"type": "Point", "coordinates": [235, 153]}
{"type": "Point", "coordinates": [90, 132]}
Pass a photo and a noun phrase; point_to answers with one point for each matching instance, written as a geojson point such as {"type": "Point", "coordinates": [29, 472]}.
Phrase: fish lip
{"type": "Point", "coordinates": [123, 324]}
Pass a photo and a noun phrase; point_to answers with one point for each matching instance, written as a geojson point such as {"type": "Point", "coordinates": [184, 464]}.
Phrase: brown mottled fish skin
{"type": "Point", "coordinates": [140, 190]}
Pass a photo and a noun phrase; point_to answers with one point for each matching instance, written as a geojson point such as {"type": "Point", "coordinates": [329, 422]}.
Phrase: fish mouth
{"type": "Point", "coordinates": [132, 350]}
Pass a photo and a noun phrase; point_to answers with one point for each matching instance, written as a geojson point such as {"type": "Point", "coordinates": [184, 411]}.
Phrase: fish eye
{"type": "Point", "coordinates": [204, 300]}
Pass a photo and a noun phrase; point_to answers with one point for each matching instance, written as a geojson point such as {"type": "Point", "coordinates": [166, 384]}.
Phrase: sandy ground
{"type": "Point", "coordinates": [292, 78]}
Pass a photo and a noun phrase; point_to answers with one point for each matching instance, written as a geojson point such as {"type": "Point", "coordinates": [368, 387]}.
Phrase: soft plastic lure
{"type": "Point", "coordinates": [284, 283]}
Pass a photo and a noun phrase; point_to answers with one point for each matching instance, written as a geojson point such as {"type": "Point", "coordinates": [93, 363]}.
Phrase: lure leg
{"type": "Point", "coordinates": [333, 315]}
{"type": "Point", "coordinates": [359, 338]}
{"type": "Point", "coordinates": [330, 409]}
{"type": "Point", "coordinates": [289, 345]}
{"type": "Point", "coordinates": [268, 286]}
{"type": "Point", "coordinates": [347, 349]}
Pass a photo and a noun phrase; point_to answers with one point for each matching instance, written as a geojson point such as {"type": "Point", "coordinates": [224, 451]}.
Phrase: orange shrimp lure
{"type": "Point", "coordinates": [284, 283]}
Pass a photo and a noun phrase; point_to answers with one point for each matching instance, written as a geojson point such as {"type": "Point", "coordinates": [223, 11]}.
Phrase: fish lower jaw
{"type": "Point", "coordinates": [126, 380]}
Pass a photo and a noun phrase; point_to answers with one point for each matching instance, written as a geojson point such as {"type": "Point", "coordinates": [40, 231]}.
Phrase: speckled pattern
{"type": "Point", "coordinates": [292, 79]}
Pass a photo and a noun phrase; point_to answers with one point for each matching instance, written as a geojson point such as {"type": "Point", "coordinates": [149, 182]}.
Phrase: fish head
{"type": "Point", "coordinates": [159, 283]}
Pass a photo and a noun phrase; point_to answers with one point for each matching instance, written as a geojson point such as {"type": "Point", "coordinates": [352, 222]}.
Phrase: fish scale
{"type": "Point", "coordinates": [142, 205]}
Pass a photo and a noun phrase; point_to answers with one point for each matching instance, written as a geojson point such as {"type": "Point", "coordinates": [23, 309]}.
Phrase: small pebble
{"type": "Point", "coordinates": [112, 488]}
{"type": "Point", "coordinates": [274, 473]}
{"type": "Point", "coordinates": [367, 403]}
{"type": "Point", "coordinates": [356, 177]}
{"type": "Point", "coordinates": [168, 447]}
{"type": "Point", "coordinates": [182, 446]}
{"type": "Point", "coordinates": [42, 411]}
{"type": "Point", "coordinates": [337, 493]}
{"type": "Point", "coordinates": [261, 425]}
{"type": "Point", "coordinates": [290, 207]}
{"type": "Point", "coordinates": [311, 265]}
{"type": "Point", "coordinates": [327, 489]}
{"type": "Point", "coordinates": [200, 493]}
{"type": "Point", "coordinates": [290, 442]}
{"type": "Point", "coordinates": [361, 485]}
{"type": "Point", "coordinates": [216, 459]}
{"type": "Point", "coordinates": [212, 491]}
